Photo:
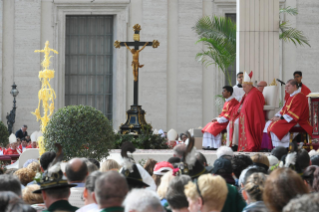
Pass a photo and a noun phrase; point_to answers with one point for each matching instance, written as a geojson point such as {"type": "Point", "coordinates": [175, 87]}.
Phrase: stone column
{"type": "Point", "coordinates": [258, 38]}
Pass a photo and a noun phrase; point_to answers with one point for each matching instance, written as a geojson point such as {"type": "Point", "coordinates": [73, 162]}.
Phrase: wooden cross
{"type": "Point", "coordinates": [135, 53]}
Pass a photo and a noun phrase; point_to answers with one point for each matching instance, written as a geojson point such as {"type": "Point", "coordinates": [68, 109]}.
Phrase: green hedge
{"type": "Point", "coordinates": [82, 131]}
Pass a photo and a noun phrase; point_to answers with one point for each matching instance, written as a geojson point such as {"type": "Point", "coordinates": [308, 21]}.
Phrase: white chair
{"type": "Point", "coordinates": [28, 154]}
{"type": "Point", "coordinates": [271, 98]}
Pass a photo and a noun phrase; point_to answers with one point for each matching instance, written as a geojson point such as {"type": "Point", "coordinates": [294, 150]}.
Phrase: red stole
{"type": "Point", "coordinates": [304, 89]}
{"type": "Point", "coordinates": [251, 121]}
{"type": "Point", "coordinates": [215, 128]}
{"type": "Point", "coordinates": [10, 151]}
{"type": "Point", "coordinates": [297, 108]}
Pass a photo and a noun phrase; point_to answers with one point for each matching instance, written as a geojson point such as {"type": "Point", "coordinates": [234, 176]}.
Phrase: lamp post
{"type": "Point", "coordinates": [12, 115]}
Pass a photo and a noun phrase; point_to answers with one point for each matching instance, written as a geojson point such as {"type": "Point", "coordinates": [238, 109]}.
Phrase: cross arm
{"type": "Point", "coordinates": [118, 44]}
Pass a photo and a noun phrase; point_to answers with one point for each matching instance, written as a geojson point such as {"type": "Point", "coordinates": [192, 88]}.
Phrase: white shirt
{"type": "Point", "coordinates": [238, 93]}
{"type": "Point", "coordinates": [89, 208]}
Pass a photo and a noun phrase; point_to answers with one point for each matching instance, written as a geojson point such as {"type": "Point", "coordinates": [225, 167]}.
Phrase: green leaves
{"type": "Point", "coordinates": [218, 34]}
{"type": "Point", "coordinates": [293, 35]}
{"type": "Point", "coordinates": [289, 10]}
{"type": "Point", "coordinates": [82, 131]}
{"type": "Point", "coordinates": [4, 135]}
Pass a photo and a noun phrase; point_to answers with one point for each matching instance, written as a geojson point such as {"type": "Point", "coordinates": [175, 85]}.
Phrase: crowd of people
{"type": "Point", "coordinates": [283, 181]}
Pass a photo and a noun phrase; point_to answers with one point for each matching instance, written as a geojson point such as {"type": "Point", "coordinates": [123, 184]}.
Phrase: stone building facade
{"type": "Point", "coordinates": [175, 90]}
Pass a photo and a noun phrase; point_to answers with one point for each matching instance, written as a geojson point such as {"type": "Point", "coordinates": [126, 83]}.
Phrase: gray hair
{"type": "Point", "coordinates": [224, 150]}
{"type": "Point", "coordinates": [90, 180]}
{"type": "Point", "coordinates": [175, 195]}
{"type": "Point", "coordinates": [179, 150]}
{"type": "Point", "coordinates": [91, 166]}
{"type": "Point", "coordinates": [110, 187]}
{"type": "Point", "coordinates": [10, 183]}
{"type": "Point", "coordinates": [293, 82]}
{"type": "Point", "coordinates": [307, 202]}
{"type": "Point", "coordinates": [142, 200]}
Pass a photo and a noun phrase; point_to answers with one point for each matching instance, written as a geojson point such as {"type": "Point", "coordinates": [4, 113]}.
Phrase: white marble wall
{"type": "Point", "coordinates": [258, 38]}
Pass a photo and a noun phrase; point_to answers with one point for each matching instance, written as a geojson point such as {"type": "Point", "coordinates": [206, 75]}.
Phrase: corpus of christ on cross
{"type": "Point", "coordinates": [135, 116]}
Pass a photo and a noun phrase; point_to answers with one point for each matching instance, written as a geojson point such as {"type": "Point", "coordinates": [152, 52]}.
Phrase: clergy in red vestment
{"type": "Point", "coordinates": [212, 138]}
{"type": "Point", "coordinates": [12, 150]}
{"type": "Point", "coordinates": [303, 88]}
{"type": "Point", "coordinates": [23, 145]}
{"type": "Point", "coordinates": [250, 115]}
{"type": "Point", "coordinates": [295, 111]}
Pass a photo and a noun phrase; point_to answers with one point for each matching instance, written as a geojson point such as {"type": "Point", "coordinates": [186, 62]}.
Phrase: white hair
{"type": "Point", "coordinates": [313, 153]}
{"type": "Point", "coordinates": [142, 200]}
{"type": "Point", "coordinates": [224, 150]}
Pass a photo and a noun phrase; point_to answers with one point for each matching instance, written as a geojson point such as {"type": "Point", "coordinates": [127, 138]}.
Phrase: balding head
{"type": "Point", "coordinates": [179, 150]}
{"type": "Point", "coordinates": [261, 85]}
{"type": "Point", "coordinates": [110, 189]}
{"type": "Point", "coordinates": [76, 170]}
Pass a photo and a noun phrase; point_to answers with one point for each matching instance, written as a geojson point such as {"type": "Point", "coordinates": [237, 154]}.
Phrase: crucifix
{"type": "Point", "coordinates": [136, 115]}
{"type": "Point", "coordinates": [135, 53]}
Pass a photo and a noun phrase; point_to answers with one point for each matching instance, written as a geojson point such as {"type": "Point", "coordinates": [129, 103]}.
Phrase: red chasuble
{"type": "Point", "coordinates": [297, 108]}
{"type": "Point", "coordinates": [251, 122]}
{"type": "Point", "coordinates": [304, 89]}
{"type": "Point", "coordinates": [10, 151]}
{"type": "Point", "coordinates": [215, 128]}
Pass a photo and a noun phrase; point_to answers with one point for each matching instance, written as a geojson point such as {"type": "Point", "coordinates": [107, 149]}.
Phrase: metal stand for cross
{"type": "Point", "coordinates": [136, 115]}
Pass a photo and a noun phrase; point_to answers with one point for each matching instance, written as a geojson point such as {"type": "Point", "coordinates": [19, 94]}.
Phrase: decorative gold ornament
{"type": "Point", "coordinates": [117, 44]}
{"type": "Point", "coordinates": [46, 94]}
{"type": "Point", "coordinates": [273, 83]}
{"type": "Point", "coordinates": [135, 62]}
{"type": "Point", "coordinates": [136, 37]}
{"type": "Point", "coordinates": [137, 27]}
{"type": "Point", "coordinates": [155, 43]}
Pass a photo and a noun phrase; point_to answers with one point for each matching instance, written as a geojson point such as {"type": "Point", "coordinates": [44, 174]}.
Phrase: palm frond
{"type": "Point", "coordinates": [289, 10]}
{"type": "Point", "coordinates": [293, 35]}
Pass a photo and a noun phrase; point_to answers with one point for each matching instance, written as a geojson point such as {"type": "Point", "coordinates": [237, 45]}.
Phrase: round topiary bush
{"type": "Point", "coordinates": [4, 135]}
{"type": "Point", "coordinates": [82, 131]}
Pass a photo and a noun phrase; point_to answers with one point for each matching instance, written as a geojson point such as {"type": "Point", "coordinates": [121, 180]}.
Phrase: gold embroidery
{"type": "Point", "coordinates": [293, 114]}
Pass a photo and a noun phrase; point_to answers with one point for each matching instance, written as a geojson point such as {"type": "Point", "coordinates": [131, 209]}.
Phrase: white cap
{"type": "Point", "coordinates": [247, 78]}
{"type": "Point", "coordinates": [171, 135]}
{"type": "Point", "coordinates": [34, 136]}
{"type": "Point", "coordinates": [12, 138]}
{"type": "Point", "coordinates": [39, 135]}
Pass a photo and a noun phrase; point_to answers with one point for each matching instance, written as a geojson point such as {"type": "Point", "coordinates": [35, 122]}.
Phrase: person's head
{"type": "Point", "coordinates": [306, 202]}
{"type": "Point", "coordinates": [55, 194]}
{"type": "Point", "coordinates": [201, 158]}
{"type": "Point", "coordinates": [298, 76]}
{"type": "Point", "coordinates": [9, 201]}
{"type": "Point", "coordinates": [45, 159]}
{"type": "Point", "coordinates": [90, 187]}
{"type": "Point", "coordinates": [224, 150]}
{"type": "Point", "coordinates": [247, 87]}
{"type": "Point", "coordinates": [165, 180]}
{"type": "Point", "coordinates": [261, 85]}
{"type": "Point", "coordinates": [315, 160]}
{"type": "Point", "coordinates": [161, 169]}
{"type": "Point", "coordinates": [10, 183]}
{"type": "Point", "coordinates": [302, 161]}
{"type": "Point", "coordinates": [260, 160]}
{"type": "Point", "coordinates": [254, 187]}
{"type": "Point", "coordinates": [25, 175]}
{"type": "Point", "coordinates": [292, 86]}
{"type": "Point", "coordinates": [183, 137]}
{"type": "Point", "coordinates": [279, 151]}
{"type": "Point", "coordinates": [179, 150]}
{"type": "Point", "coordinates": [95, 162]}
{"type": "Point", "coordinates": [18, 141]}
{"type": "Point", "coordinates": [239, 163]}
{"type": "Point", "coordinates": [247, 172]}
{"type": "Point", "coordinates": [34, 144]}
{"type": "Point", "coordinates": [29, 197]}
{"type": "Point", "coordinates": [142, 200]}
{"type": "Point", "coordinates": [175, 195]}
{"type": "Point", "coordinates": [109, 164]}
{"type": "Point", "coordinates": [281, 186]}
{"type": "Point", "coordinates": [24, 142]}
{"type": "Point", "coordinates": [227, 91]}
{"type": "Point", "coordinates": [222, 166]}
{"type": "Point", "coordinates": [174, 161]}
{"type": "Point", "coordinates": [110, 189]}
{"type": "Point", "coordinates": [24, 128]}
{"type": "Point", "coordinates": [76, 170]}
{"type": "Point", "coordinates": [149, 165]}
{"type": "Point", "coordinates": [91, 166]}
{"type": "Point", "coordinates": [34, 166]}
{"type": "Point", "coordinates": [311, 177]}
{"type": "Point", "coordinates": [207, 194]}
{"type": "Point", "coordinates": [240, 77]}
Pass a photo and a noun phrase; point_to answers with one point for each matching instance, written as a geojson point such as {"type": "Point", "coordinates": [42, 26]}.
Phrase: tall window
{"type": "Point", "coordinates": [88, 62]}
{"type": "Point", "coordinates": [232, 69]}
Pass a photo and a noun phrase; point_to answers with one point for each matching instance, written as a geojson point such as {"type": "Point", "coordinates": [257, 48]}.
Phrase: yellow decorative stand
{"type": "Point", "coordinates": [46, 94]}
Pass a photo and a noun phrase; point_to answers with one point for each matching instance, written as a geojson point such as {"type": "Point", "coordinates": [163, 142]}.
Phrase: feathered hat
{"type": "Point", "coordinates": [53, 177]}
{"type": "Point", "coordinates": [190, 165]}
{"type": "Point", "coordinates": [247, 78]}
{"type": "Point", "coordinates": [129, 168]}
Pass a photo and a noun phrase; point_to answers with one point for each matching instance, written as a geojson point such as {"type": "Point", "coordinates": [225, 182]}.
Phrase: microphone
{"type": "Point", "coordinates": [281, 82]}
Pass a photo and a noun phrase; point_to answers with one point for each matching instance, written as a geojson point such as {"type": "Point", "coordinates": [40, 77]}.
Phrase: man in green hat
{"type": "Point", "coordinates": [55, 190]}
